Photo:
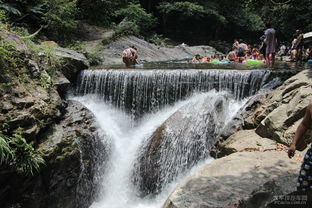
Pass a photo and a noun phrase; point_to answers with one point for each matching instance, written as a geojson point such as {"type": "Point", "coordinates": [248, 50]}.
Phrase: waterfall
{"type": "Point", "coordinates": [160, 124]}
{"type": "Point", "coordinates": [142, 91]}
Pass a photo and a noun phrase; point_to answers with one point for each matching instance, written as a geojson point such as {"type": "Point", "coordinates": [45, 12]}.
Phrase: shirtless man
{"type": "Point", "coordinates": [129, 56]}
{"type": "Point", "coordinates": [305, 176]}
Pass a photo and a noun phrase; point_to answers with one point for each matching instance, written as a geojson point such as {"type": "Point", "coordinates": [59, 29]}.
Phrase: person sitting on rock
{"type": "Point", "coordinates": [196, 59]}
{"type": "Point", "coordinates": [255, 53]}
{"type": "Point", "coordinates": [232, 56]}
{"type": "Point", "coordinates": [129, 56]}
{"type": "Point", "coordinates": [304, 182]}
{"type": "Point", "coordinates": [241, 52]}
{"type": "Point", "coordinates": [205, 59]}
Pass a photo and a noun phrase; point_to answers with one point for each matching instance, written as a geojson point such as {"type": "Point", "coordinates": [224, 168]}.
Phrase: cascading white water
{"type": "Point", "coordinates": [127, 136]}
{"type": "Point", "coordinates": [142, 91]}
{"type": "Point", "coordinates": [159, 124]}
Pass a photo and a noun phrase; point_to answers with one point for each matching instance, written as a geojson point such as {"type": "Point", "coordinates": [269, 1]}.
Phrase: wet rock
{"type": "Point", "coordinates": [75, 158]}
{"type": "Point", "coordinates": [190, 133]}
{"type": "Point", "coordinates": [72, 62]}
{"type": "Point", "coordinates": [62, 85]}
{"type": "Point", "coordinates": [34, 68]}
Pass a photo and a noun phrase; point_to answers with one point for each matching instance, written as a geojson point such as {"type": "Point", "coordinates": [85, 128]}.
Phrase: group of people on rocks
{"type": "Point", "coordinates": [265, 51]}
{"type": "Point", "coordinates": [297, 51]}
{"type": "Point", "coordinates": [206, 59]}
{"type": "Point", "coordinates": [242, 52]}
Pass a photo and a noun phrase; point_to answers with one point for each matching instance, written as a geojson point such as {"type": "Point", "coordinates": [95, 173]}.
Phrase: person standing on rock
{"type": "Point", "coordinates": [271, 44]}
{"type": "Point", "coordinates": [305, 175]}
{"type": "Point", "coordinates": [129, 56]}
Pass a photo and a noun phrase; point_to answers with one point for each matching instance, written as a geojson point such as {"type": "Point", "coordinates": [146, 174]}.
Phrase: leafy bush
{"type": "Point", "coordinates": [8, 56]}
{"type": "Point", "coordinates": [130, 28]}
{"type": "Point", "coordinates": [21, 11]}
{"type": "Point", "coordinates": [157, 39]}
{"type": "Point", "coordinates": [94, 58]}
{"type": "Point", "coordinates": [26, 159]}
{"type": "Point", "coordinates": [60, 21]}
{"type": "Point", "coordinates": [188, 9]}
{"type": "Point", "coordinates": [17, 153]}
{"type": "Point", "coordinates": [6, 153]}
{"type": "Point", "coordinates": [97, 12]}
{"type": "Point", "coordinates": [9, 7]}
{"type": "Point", "coordinates": [3, 16]}
{"type": "Point", "coordinates": [138, 16]}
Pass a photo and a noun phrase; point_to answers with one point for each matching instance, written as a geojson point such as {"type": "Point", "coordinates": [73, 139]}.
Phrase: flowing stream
{"type": "Point", "coordinates": [193, 108]}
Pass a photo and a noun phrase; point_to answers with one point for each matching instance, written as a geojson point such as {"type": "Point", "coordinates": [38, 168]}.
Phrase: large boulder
{"type": "Point", "coordinates": [75, 157]}
{"type": "Point", "coordinates": [13, 39]}
{"type": "Point", "coordinates": [281, 111]}
{"type": "Point", "coordinates": [243, 179]}
{"type": "Point", "coordinates": [148, 52]}
{"type": "Point", "coordinates": [29, 104]}
{"type": "Point", "coordinates": [181, 141]}
{"type": "Point", "coordinates": [72, 62]}
{"type": "Point", "coordinates": [245, 140]}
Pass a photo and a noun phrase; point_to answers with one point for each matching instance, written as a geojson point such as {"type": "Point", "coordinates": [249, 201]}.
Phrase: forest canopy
{"type": "Point", "coordinates": [192, 21]}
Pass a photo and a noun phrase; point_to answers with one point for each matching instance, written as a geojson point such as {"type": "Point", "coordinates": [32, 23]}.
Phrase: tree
{"type": "Point", "coordinates": [60, 20]}
{"type": "Point", "coordinates": [137, 15]}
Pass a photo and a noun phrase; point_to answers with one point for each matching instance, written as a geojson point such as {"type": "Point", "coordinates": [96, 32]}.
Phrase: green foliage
{"type": "Point", "coordinates": [220, 45]}
{"type": "Point", "coordinates": [99, 12]}
{"type": "Point", "coordinates": [21, 11]}
{"type": "Point", "coordinates": [157, 39]}
{"type": "Point", "coordinates": [45, 81]}
{"type": "Point", "coordinates": [94, 58]}
{"type": "Point", "coordinates": [187, 9]}
{"type": "Point", "coordinates": [60, 21]}
{"type": "Point", "coordinates": [3, 16]}
{"type": "Point", "coordinates": [10, 8]}
{"type": "Point", "coordinates": [6, 154]}
{"type": "Point", "coordinates": [26, 158]}
{"type": "Point", "coordinates": [17, 153]}
{"type": "Point", "coordinates": [8, 56]}
{"type": "Point", "coordinates": [22, 31]}
{"type": "Point", "coordinates": [137, 15]}
{"type": "Point", "coordinates": [130, 28]}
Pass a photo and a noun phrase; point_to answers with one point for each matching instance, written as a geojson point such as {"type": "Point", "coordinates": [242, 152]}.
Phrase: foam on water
{"type": "Point", "coordinates": [126, 135]}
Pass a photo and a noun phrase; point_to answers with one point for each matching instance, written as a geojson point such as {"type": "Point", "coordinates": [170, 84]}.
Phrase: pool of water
{"type": "Point", "coordinates": [185, 65]}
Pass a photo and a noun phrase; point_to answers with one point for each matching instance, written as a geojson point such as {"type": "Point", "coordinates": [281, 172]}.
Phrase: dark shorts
{"type": "Point", "coordinates": [304, 182]}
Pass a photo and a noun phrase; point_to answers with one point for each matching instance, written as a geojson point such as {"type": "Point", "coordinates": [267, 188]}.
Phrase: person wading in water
{"type": "Point", "coordinates": [129, 56]}
{"type": "Point", "coordinates": [270, 43]}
